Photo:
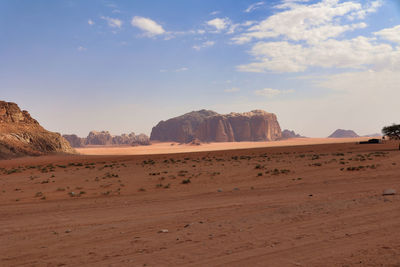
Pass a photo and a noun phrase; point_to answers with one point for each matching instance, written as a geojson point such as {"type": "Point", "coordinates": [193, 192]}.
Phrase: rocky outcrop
{"type": "Point", "coordinates": [340, 133]}
{"type": "Point", "coordinates": [287, 134]}
{"type": "Point", "coordinates": [21, 135]}
{"type": "Point", "coordinates": [140, 140]}
{"type": "Point", "coordinates": [104, 138]}
{"type": "Point", "coordinates": [209, 126]}
{"type": "Point", "coordinates": [74, 140]}
{"type": "Point", "coordinates": [180, 129]}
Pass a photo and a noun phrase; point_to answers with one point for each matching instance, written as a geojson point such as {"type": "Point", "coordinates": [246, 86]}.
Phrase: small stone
{"type": "Point", "coordinates": [389, 192]}
{"type": "Point", "coordinates": [163, 231]}
{"type": "Point", "coordinates": [219, 190]}
{"type": "Point", "coordinates": [186, 225]}
{"type": "Point", "coordinates": [235, 189]}
{"type": "Point", "coordinates": [68, 231]}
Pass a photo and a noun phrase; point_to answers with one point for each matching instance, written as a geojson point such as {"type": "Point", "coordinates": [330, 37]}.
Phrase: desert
{"type": "Point", "coordinates": [295, 205]}
{"type": "Point", "coordinates": [200, 133]}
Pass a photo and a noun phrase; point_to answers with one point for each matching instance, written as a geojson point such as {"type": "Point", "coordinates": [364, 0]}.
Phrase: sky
{"type": "Point", "coordinates": [123, 66]}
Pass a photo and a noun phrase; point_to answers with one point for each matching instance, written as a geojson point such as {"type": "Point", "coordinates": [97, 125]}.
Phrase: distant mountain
{"type": "Point", "coordinates": [104, 138]}
{"type": "Point", "coordinates": [340, 133]}
{"type": "Point", "coordinates": [21, 135]}
{"type": "Point", "coordinates": [287, 134]}
{"type": "Point", "coordinates": [209, 126]}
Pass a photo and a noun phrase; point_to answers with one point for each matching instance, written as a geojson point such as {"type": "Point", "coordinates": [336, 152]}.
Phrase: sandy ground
{"type": "Point", "coordinates": [304, 205]}
{"type": "Point", "coordinates": [164, 148]}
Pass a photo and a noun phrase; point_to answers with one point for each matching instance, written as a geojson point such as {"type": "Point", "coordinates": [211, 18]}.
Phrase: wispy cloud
{"type": "Point", "coordinates": [269, 92]}
{"type": "Point", "coordinates": [215, 13]}
{"type": "Point", "coordinates": [232, 90]}
{"type": "Point", "coordinates": [182, 69]}
{"type": "Point", "coordinates": [203, 45]}
{"type": "Point", "coordinates": [90, 22]}
{"type": "Point", "coordinates": [149, 26]}
{"type": "Point", "coordinates": [81, 48]}
{"type": "Point", "coordinates": [219, 23]}
{"type": "Point", "coordinates": [254, 6]}
{"type": "Point", "coordinates": [113, 22]}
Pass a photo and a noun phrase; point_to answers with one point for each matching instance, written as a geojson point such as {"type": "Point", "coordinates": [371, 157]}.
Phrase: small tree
{"type": "Point", "coordinates": [392, 131]}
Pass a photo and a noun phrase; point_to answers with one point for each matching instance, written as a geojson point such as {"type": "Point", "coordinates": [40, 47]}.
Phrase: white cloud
{"type": "Point", "coordinates": [254, 6]}
{"type": "Point", "coordinates": [204, 45]}
{"type": "Point", "coordinates": [112, 22]}
{"type": "Point", "coordinates": [215, 13]}
{"type": "Point", "coordinates": [81, 48]}
{"type": "Point", "coordinates": [371, 7]}
{"type": "Point", "coordinates": [149, 26]}
{"type": "Point", "coordinates": [269, 92]}
{"type": "Point", "coordinates": [300, 22]}
{"type": "Point", "coordinates": [219, 23]}
{"type": "Point", "coordinates": [356, 53]}
{"type": "Point", "coordinates": [390, 34]}
{"type": "Point", "coordinates": [305, 35]}
{"type": "Point", "coordinates": [232, 90]}
{"type": "Point", "coordinates": [90, 22]}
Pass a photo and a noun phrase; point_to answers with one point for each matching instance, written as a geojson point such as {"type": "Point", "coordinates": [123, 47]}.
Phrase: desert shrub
{"type": "Point", "coordinates": [186, 181]}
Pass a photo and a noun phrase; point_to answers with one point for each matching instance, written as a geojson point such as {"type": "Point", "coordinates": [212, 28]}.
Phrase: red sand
{"type": "Point", "coordinates": [313, 205]}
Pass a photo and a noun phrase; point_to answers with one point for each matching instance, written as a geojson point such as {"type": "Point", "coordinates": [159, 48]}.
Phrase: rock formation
{"type": "Point", "coordinates": [340, 133]}
{"type": "Point", "coordinates": [104, 138]}
{"type": "Point", "coordinates": [286, 134]}
{"type": "Point", "coordinates": [74, 140]}
{"type": "Point", "coordinates": [209, 126]}
{"type": "Point", "coordinates": [99, 138]}
{"type": "Point", "coordinates": [180, 129]}
{"type": "Point", "coordinates": [21, 135]}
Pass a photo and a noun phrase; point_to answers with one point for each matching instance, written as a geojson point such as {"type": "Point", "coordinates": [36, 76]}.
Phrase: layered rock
{"type": "Point", "coordinates": [209, 126]}
{"type": "Point", "coordinates": [340, 133]}
{"type": "Point", "coordinates": [21, 135]}
{"type": "Point", "coordinates": [104, 138]}
{"type": "Point", "coordinates": [180, 129]}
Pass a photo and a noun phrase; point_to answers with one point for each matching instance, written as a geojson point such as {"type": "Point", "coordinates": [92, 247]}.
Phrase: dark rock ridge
{"type": "Point", "coordinates": [340, 133]}
{"type": "Point", "coordinates": [209, 126]}
{"type": "Point", "coordinates": [21, 135]}
{"type": "Point", "coordinates": [286, 134]}
{"type": "Point", "coordinates": [104, 138]}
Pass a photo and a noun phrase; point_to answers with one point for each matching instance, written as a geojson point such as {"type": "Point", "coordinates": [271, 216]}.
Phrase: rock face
{"type": "Point", "coordinates": [74, 140]}
{"type": "Point", "coordinates": [340, 133]}
{"type": "Point", "coordinates": [209, 126]}
{"type": "Point", "coordinates": [21, 135]}
{"type": "Point", "coordinates": [99, 138]}
{"type": "Point", "coordinates": [104, 138]}
{"type": "Point", "coordinates": [180, 129]}
{"type": "Point", "coordinates": [286, 134]}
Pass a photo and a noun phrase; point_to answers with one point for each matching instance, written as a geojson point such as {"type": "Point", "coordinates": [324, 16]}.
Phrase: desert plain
{"type": "Point", "coordinates": [302, 202]}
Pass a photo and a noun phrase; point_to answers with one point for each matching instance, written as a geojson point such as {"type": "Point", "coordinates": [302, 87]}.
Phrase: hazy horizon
{"type": "Point", "coordinates": [122, 66]}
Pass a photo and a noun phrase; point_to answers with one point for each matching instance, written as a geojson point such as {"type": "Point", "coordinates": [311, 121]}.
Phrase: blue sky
{"type": "Point", "coordinates": [123, 66]}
